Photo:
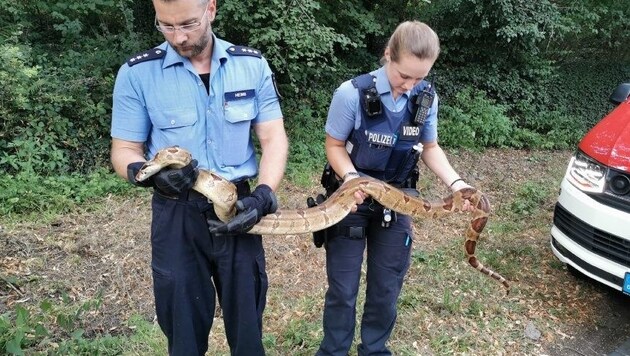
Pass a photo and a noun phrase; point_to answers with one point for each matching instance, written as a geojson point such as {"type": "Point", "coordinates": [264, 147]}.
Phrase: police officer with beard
{"type": "Point", "coordinates": [379, 124]}
{"type": "Point", "coordinates": [203, 94]}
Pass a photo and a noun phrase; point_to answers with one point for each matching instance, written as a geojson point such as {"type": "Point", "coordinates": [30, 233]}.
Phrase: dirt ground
{"type": "Point", "coordinates": [608, 333]}
{"type": "Point", "coordinates": [106, 250]}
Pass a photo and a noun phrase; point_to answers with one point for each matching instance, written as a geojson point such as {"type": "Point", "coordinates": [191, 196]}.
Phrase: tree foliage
{"type": "Point", "coordinates": [530, 63]}
{"type": "Point", "coordinates": [58, 61]}
{"type": "Point", "coordinates": [590, 30]}
{"type": "Point", "coordinates": [494, 45]}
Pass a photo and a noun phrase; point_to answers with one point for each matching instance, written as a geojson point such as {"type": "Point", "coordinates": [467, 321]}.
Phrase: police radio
{"type": "Point", "coordinates": [372, 102]}
{"type": "Point", "coordinates": [423, 102]}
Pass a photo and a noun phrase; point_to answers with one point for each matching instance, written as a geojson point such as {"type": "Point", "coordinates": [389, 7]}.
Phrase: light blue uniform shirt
{"type": "Point", "coordinates": [344, 113]}
{"type": "Point", "coordinates": [163, 102]}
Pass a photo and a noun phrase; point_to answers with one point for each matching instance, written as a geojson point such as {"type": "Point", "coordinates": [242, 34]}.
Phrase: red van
{"type": "Point", "coordinates": [591, 222]}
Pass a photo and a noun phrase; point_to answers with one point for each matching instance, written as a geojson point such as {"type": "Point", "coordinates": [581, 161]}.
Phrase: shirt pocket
{"type": "Point", "coordinates": [175, 125]}
{"type": "Point", "coordinates": [238, 115]}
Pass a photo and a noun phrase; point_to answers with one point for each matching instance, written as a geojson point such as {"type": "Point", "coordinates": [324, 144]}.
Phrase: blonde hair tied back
{"type": "Point", "coordinates": [415, 38]}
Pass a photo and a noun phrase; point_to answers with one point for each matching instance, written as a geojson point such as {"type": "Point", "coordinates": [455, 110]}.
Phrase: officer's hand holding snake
{"type": "Point", "coordinates": [169, 181]}
{"type": "Point", "coordinates": [250, 210]}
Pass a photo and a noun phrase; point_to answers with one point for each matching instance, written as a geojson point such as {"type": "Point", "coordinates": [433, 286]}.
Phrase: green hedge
{"type": "Point", "coordinates": [58, 61]}
{"type": "Point", "coordinates": [582, 89]}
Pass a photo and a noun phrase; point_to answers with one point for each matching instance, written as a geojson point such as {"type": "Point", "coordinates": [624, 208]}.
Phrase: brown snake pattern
{"type": "Point", "coordinates": [223, 195]}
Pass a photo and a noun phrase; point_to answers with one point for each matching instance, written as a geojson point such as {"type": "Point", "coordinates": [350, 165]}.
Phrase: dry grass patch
{"type": "Point", "coordinates": [446, 307]}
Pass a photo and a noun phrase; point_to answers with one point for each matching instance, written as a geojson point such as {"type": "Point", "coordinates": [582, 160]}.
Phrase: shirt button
{"type": "Point", "coordinates": [172, 122]}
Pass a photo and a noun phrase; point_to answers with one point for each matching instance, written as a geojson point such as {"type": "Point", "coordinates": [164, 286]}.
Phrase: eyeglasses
{"type": "Point", "coordinates": [183, 28]}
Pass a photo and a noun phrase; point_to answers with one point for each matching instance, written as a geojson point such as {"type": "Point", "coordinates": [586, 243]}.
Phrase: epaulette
{"type": "Point", "coordinates": [244, 51]}
{"type": "Point", "coordinates": [153, 53]}
{"type": "Point", "coordinates": [364, 81]}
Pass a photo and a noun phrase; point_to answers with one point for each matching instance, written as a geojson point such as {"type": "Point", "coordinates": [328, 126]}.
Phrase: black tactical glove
{"type": "Point", "coordinates": [250, 210]}
{"type": "Point", "coordinates": [174, 181]}
{"type": "Point", "coordinates": [170, 181]}
{"type": "Point", "coordinates": [132, 171]}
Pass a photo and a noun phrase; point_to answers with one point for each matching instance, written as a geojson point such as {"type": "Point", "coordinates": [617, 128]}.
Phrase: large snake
{"type": "Point", "coordinates": [223, 195]}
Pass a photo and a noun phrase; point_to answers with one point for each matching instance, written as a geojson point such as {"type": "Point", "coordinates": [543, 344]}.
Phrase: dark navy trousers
{"type": "Point", "coordinates": [388, 256]}
{"type": "Point", "coordinates": [190, 266]}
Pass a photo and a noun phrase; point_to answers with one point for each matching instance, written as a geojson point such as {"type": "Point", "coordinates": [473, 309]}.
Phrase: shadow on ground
{"type": "Point", "coordinates": [607, 334]}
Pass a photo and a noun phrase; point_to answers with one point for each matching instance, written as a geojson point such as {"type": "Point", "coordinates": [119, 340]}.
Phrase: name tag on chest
{"type": "Point", "coordinates": [239, 95]}
{"type": "Point", "coordinates": [381, 139]}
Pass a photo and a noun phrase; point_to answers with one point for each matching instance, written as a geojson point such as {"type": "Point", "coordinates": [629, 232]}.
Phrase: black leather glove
{"type": "Point", "coordinates": [250, 210]}
{"type": "Point", "coordinates": [174, 181]}
{"type": "Point", "coordinates": [170, 181]}
{"type": "Point", "coordinates": [132, 171]}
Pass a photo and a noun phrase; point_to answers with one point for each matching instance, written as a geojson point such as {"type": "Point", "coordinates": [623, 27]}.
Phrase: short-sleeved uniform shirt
{"type": "Point", "coordinates": [344, 113]}
{"type": "Point", "coordinates": [163, 102]}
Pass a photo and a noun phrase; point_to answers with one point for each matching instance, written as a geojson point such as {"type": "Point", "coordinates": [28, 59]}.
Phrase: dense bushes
{"type": "Point", "coordinates": [53, 119]}
{"type": "Point", "coordinates": [25, 193]}
{"type": "Point", "coordinates": [581, 88]}
{"type": "Point", "coordinates": [58, 61]}
{"type": "Point", "coordinates": [517, 53]}
{"type": "Point", "coordinates": [57, 66]}
{"type": "Point", "coordinates": [472, 120]}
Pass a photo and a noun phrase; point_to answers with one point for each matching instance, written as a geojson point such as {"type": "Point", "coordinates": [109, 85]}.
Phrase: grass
{"type": "Point", "coordinates": [26, 197]}
{"type": "Point", "coordinates": [147, 338]}
{"type": "Point", "coordinates": [91, 263]}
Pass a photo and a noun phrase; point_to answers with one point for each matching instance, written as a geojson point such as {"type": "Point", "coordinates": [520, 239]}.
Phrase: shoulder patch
{"type": "Point", "coordinates": [244, 51]}
{"type": "Point", "coordinates": [153, 53]}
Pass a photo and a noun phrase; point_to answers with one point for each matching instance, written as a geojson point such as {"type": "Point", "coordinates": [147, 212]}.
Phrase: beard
{"type": "Point", "coordinates": [189, 50]}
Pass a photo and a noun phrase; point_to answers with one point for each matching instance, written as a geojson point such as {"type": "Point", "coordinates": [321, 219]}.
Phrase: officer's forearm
{"type": "Point", "coordinates": [275, 147]}
{"type": "Point", "coordinates": [125, 152]}
{"type": "Point", "coordinates": [338, 156]}
{"type": "Point", "coordinates": [435, 159]}
{"type": "Point", "coordinates": [271, 170]}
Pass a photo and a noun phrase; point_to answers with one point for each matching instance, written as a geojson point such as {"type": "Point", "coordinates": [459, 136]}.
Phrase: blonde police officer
{"type": "Point", "coordinates": [376, 123]}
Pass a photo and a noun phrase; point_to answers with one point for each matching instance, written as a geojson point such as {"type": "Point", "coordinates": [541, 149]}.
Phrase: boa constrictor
{"type": "Point", "coordinates": [223, 195]}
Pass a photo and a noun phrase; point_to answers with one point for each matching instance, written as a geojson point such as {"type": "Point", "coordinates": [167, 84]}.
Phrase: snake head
{"type": "Point", "coordinates": [148, 169]}
{"type": "Point", "coordinates": [175, 157]}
